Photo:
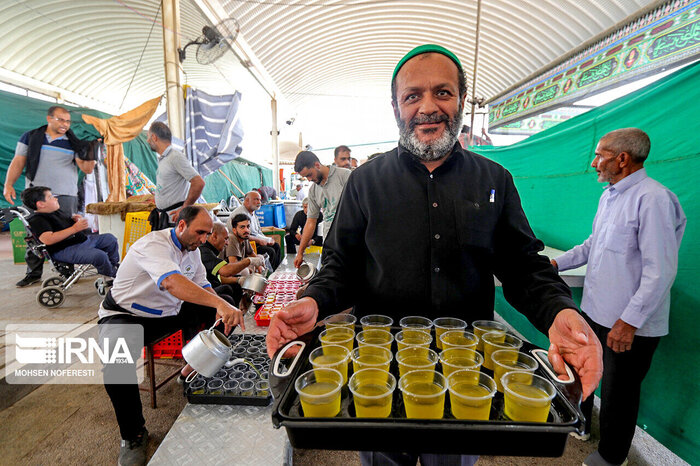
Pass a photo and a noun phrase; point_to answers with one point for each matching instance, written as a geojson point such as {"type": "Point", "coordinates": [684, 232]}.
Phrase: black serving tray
{"type": "Point", "coordinates": [497, 436]}
{"type": "Point", "coordinates": [242, 346]}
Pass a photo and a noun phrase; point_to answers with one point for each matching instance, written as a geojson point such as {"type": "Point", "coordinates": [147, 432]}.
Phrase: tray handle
{"type": "Point", "coordinates": [570, 388]}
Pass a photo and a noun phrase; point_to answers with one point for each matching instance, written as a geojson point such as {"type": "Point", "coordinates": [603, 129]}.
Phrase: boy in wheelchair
{"type": "Point", "coordinates": [64, 237]}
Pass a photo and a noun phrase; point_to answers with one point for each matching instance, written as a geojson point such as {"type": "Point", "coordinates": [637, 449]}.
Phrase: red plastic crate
{"type": "Point", "coordinates": [169, 348]}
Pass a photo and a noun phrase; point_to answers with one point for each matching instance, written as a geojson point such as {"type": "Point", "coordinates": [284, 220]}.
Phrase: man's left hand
{"type": "Point", "coordinates": [572, 340]}
{"type": "Point", "coordinates": [620, 336]}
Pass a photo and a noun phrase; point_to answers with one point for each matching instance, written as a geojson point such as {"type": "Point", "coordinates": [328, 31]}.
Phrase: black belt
{"type": "Point", "coordinates": [111, 305]}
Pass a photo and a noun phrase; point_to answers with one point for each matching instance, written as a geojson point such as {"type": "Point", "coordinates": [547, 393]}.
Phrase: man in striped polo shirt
{"type": "Point", "coordinates": [52, 156]}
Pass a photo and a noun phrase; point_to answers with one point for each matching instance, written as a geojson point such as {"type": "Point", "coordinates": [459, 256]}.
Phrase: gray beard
{"type": "Point", "coordinates": [428, 152]}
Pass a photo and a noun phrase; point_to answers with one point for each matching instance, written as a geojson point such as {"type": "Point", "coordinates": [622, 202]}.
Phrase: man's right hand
{"type": "Point", "coordinates": [80, 225]}
{"type": "Point", "coordinates": [299, 259]}
{"type": "Point", "coordinates": [257, 261]}
{"type": "Point", "coordinates": [297, 319]}
{"type": "Point", "coordinates": [10, 195]}
{"type": "Point", "coordinates": [230, 316]}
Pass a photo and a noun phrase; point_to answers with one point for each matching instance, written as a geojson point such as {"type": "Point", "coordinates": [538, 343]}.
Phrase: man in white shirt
{"type": "Point", "coordinates": [265, 244]}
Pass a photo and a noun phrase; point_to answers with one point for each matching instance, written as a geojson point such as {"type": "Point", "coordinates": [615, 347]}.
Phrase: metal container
{"type": "Point", "coordinates": [208, 351]}
{"type": "Point", "coordinates": [306, 272]}
{"type": "Point", "coordinates": [255, 283]}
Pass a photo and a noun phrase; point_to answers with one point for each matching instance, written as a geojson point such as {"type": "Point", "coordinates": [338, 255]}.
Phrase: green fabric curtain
{"type": "Point", "coordinates": [560, 193]}
{"type": "Point", "coordinates": [246, 175]}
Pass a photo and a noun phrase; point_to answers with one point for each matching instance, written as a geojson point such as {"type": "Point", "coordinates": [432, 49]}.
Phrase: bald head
{"type": "Point", "coordinates": [252, 201]}
{"type": "Point", "coordinates": [219, 236]}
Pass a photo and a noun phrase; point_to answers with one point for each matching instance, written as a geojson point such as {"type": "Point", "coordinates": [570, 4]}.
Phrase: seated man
{"type": "Point", "coordinates": [162, 287]}
{"type": "Point", "coordinates": [221, 272]}
{"type": "Point", "coordinates": [265, 244]}
{"type": "Point", "coordinates": [293, 236]}
{"type": "Point", "coordinates": [239, 251]}
{"type": "Point", "coordinates": [64, 237]}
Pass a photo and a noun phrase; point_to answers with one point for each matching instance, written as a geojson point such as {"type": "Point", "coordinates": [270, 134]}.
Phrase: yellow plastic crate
{"type": "Point", "coordinates": [136, 226]}
{"type": "Point", "coordinates": [314, 250]}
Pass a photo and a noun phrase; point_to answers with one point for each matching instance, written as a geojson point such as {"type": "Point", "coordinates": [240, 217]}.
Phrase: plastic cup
{"type": "Point", "coordinates": [485, 326]}
{"type": "Point", "coordinates": [231, 388]}
{"type": "Point", "coordinates": [319, 392]}
{"type": "Point", "coordinates": [338, 336]}
{"type": "Point", "coordinates": [215, 387]}
{"type": "Point", "coordinates": [444, 324]}
{"type": "Point", "coordinates": [511, 360]}
{"type": "Point", "coordinates": [458, 339]}
{"type": "Point", "coordinates": [198, 387]}
{"type": "Point", "coordinates": [246, 387]}
{"type": "Point", "coordinates": [371, 357]}
{"type": "Point", "coordinates": [423, 394]}
{"type": "Point", "coordinates": [331, 357]}
{"type": "Point", "coordinates": [471, 393]}
{"type": "Point", "coordinates": [372, 391]}
{"type": "Point", "coordinates": [527, 397]}
{"type": "Point", "coordinates": [340, 320]}
{"type": "Point", "coordinates": [455, 359]}
{"type": "Point", "coordinates": [374, 337]}
{"type": "Point", "coordinates": [376, 321]}
{"type": "Point", "coordinates": [411, 324]}
{"type": "Point", "coordinates": [416, 358]}
{"type": "Point", "coordinates": [406, 338]}
{"type": "Point", "coordinates": [494, 341]}
{"type": "Point", "coordinates": [262, 388]}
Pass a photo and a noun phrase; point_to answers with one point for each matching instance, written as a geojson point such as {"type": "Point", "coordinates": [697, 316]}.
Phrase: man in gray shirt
{"type": "Point", "coordinates": [49, 155]}
{"type": "Point", "coordinates": [178, 184]}
{"type": "Point", "coordinates": [324, 194]}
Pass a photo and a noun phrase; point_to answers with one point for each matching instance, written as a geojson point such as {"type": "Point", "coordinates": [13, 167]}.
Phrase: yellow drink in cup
{"type": "Point", "coordinates": [423, 394]}
{"type": "Point", "coordinates": [319, 392]}
{"type": "Point", "coordinates": [375, 337]}
{"type": "Point", "coordinates": [444, 324]}
{"type": "Point", "coordinates": [414, 324]}
{"type": "Point", "coordinates": [376, 321]}
{"type": "Point", "coordinates": [372, 391]}
{"type": "Point", "coordinates": [331, 357]}
{"type": "Point", "coordinates": [511, 360]}
{"type": "Point", "coordinates": [415, 358]}
{"type": "Point", "coordinates": [371, 357]}
{"type": "Point", "coordinates": [338, 336]}
{"type": "Point", "coordinates": [494, 341]}
{"type": "Point", "coordinates": [485, 326]}
{"type": "Point", "coordinates": [471, 393]}
{"type": "Point", "coordinates": [406, 338]}
{"type": "Point", "coordinates": [458, 338]}
{"type": "Point", "coordinates": [454, 359]}
{"type": "Point", "coordinates": [340, 320]}
{"type": "Point", "coordinates": [527, 397]}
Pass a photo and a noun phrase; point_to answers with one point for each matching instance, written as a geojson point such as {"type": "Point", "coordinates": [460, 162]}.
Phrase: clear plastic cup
{"type": "Point", "coordinates": [340, 320]}
{"type": "Point", "coordinates": [455, 359]}
{"type": "Point", "coordinates": [511, 360]}
{"type": "Point", "coordinates": [246, 387]}
{"type": "Point", "coordinates": [423, 394]}
{"type": "Point", "coordinates": [375, 337]}
{"type": "Point", "coordinates": [416, 358]}
{"type": "Point", "coordinates": [406, 338]}
{"type": "Point", "coordinates": [471, 393]}
{"type": "Point", "coordinates": [331, 357]}
{"type": "Point", "coordinates": [215, 387]}
{"type": "Point", "coordinates": [319, 392]}
{"type": "Point", "coordinates": [372, 391]}
{"type": "Point", "coordinates": [485, 326]}
{"type": "Point", "coordinates": [376, 321]}
{"type": "Point", "coordinates": [445, 324]}
{"type": "Point", "coordinates": [198, 387]}
{"type": "Point", "coordinates": [236, 375]}
{"type": "Point", "coordinates": [262, 388]}
{"type": "Point", "coordinates": [411, 324]}
{"type": "Point", "coordinates": [527, 397]}
{"type": "Point", "coordinates": [458, 339]}
{"type": "Point", "coordinates": [220, 374]}
{"type": "Point", "coordinates": [494, 341]}
{"type": "Point", "coordinates": [371, 357]}
{"type": "Point", "coordinates": [338, 336]}
{"type": "Point", "coordinates": [231, 388]}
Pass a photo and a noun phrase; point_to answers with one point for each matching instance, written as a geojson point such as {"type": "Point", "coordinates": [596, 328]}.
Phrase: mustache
{"type": "Point", "coordinates": [420, 120]}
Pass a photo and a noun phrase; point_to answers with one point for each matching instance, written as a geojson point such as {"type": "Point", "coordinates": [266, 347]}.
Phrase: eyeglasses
{"type": "Point", "coordinates": [61, 120]}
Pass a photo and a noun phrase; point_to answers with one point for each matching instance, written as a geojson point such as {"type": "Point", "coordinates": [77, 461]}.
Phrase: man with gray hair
{"type": "Point", "coordinates": [632, 258]}
{"type": "Point", "coordinates": [178, 184]}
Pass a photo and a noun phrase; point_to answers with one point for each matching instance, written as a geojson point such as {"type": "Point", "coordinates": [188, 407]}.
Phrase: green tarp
{"type": "Point", "coordinates": [560, 193]}
{"type": "Point", "coordinates": [246, 175]}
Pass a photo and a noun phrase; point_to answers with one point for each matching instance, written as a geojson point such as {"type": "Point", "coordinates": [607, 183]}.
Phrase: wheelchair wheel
{"type": "Point", "coordinates": [50, 296]}
{"type": "Point", "coordinates": [52, 281]}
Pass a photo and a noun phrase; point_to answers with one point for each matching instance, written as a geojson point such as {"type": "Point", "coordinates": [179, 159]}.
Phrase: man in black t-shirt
{"type": "Point", "coordinates": [221, 273]}
{"type": "Point", "coordinates": [294, 231]}
{"type": "Point", "coordinates": [64, 236]}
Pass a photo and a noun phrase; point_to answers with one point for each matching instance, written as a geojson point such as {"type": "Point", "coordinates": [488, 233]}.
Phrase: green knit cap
{"type": "Point", "coordinates": [427, 48]}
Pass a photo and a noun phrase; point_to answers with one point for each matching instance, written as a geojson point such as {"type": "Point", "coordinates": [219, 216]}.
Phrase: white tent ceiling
{"type": "Point", "coordinates": [331, 59]}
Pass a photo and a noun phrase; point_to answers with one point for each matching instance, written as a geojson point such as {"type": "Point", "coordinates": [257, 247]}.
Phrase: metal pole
{"type": "Point", "coordinates": [275, 146]}
{"type": "Point", "coordinates": [173, 88]}
{"type": "Point", "coordinates": [476, 62]}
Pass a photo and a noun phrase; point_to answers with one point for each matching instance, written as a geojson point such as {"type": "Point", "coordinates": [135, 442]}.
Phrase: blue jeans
{"type": "Point", "coordinates": [102, 251]}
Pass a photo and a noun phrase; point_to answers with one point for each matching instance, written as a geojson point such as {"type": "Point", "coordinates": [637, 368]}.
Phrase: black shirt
{"type": "Point", "coordinates": [212, 263]}
{"type": "Point", "coordinates": [299, 221]}
{"type": "Point", "coordinates": [41, 222]}
{"type": "Point", "coordinates": [405, 241]}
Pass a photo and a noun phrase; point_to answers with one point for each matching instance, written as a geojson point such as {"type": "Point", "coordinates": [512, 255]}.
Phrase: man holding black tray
{"type": "Point", "coordinates": [462, 217]}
